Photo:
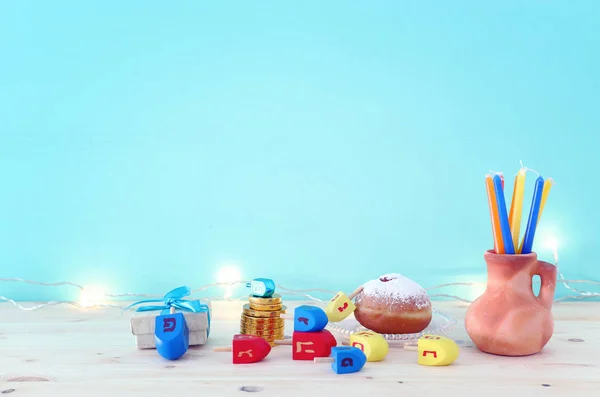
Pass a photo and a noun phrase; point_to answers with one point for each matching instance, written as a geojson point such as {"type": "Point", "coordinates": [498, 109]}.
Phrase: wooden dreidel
{"type": "Point", "coordinates": [172, 335]}
{"type": "Point", "coordinates": [371, 343]}
{"type": "Point", "coordinates": [308, 345]}
{"type": "Point", "coordinates": [340, 306]}
{"type": "Point", "coordinates": [261, 287]}
{"type": "Point", "coordinates": [435, 350]}
{"type": "Point", "coordinates": [309, 319]}
{"type": "Point", "coordinates": [345, 359]}
{"type": "Point", "coordinates": [247, 349]}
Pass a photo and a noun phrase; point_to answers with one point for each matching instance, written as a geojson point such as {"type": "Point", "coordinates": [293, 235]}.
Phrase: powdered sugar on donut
{"type": "Point", "coordinates": [398, 288]}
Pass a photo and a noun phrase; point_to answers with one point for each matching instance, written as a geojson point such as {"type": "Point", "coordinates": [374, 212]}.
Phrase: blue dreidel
{"type": "Point", "coordinates": [309, 319]}
{"type": "Point", "coordinates": [345, 359]}
{"type": "Point", "coordinates": [172, 335]}
{"type": "Point", "coordinates": [261, 287]}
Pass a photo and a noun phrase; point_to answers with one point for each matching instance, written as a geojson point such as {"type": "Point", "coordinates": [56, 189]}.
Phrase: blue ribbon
{"type": "Point", "coordinates": [174, 298]}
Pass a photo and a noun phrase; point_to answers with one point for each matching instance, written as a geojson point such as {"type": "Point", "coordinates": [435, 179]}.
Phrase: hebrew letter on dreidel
{"type": "Point", "coordinates": [347, 362]}
{"type": "Point", "coordinates": [247, 352]}
{"type": "Point", "coordinates": [432, 352]}
{"type": "Point", "coordinates": [300, 349]}
{"type": "Point", "coordinates": [358, 345]}
{"type": "Point", "coordinates": [169, 324]}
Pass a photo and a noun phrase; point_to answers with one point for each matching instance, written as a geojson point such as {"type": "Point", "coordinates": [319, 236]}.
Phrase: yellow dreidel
{"type": "Point", "coordinates": [371, 343]}
{"type": "Point", "coordinates": [341, 306]}
{"type": "Point", "coordinates": [435, 350]}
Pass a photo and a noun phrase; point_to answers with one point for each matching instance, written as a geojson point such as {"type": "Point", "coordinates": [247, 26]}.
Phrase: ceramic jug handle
{"type": "Point", "coordinates": [547, 273]}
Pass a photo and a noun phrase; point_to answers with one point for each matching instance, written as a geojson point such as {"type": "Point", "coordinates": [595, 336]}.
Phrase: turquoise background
{"type": "Point", "coordinates": [145, 144]}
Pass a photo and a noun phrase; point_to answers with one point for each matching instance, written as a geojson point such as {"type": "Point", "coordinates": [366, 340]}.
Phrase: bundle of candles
{"type": "Point", "coordinates": [506, 226]}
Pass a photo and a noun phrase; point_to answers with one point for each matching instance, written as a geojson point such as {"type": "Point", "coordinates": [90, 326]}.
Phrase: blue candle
{"type": "Point", "coordinates": [527, 243]}
{"type": "Point", "coordinates": [509, 247]}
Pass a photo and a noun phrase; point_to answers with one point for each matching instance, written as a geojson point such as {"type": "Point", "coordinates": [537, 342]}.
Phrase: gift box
{"type": "Point", "coordinates": [197, 316]}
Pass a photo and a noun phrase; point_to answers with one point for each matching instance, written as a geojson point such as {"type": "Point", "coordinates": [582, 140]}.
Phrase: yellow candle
{"type": "Point", "coordinates": [516, 208]}
{"type": "Point", "coordinates": [545, 193]}
{"type": "Point", "coordinates": [494, 215]}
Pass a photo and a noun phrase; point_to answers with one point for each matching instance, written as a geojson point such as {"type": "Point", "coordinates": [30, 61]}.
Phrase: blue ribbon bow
{"type": "Point", "coordinates": [174, 298]}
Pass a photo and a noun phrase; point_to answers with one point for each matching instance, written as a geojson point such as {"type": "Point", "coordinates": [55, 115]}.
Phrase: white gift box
{"type": "Point", "coordinates": [143, 325]}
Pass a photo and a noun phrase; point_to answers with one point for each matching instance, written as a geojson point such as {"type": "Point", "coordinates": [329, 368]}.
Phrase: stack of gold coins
{"type": "Point", "coordinates": [262, 317]}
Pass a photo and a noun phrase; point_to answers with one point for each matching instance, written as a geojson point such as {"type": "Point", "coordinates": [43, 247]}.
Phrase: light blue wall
{"type": "Point", "coordinates": [144, 144]}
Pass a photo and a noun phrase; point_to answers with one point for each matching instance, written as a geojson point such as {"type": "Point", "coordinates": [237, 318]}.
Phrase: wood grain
{"type": "Point", "coordinates": [64, 351]}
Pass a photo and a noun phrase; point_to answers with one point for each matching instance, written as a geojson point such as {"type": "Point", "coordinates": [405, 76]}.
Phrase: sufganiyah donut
{"type": "Point", "coordinates": [393, 304]}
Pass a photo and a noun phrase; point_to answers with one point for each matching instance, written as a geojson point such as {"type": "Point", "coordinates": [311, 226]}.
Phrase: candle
{"type": "Point", "coordinates": [545, 193]}
{"type": "Point", "coordinates": [527, 242]}
{"type": "Point", "coordinates": [516, 207]}
{"type": "Point", "coordinates": [498, 245]}
{"type": "Point", "coordinates": [509, 247]}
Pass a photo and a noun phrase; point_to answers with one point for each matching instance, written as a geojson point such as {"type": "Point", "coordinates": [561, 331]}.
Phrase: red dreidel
{"type": "Point", "coordinates": [340, 306]}
{"type": "Point", "coordinates": [345, 359]}
{"type": "Point", "coordinates": [247, 349]}
{"type": "Point", "coordinates": [308, 345]}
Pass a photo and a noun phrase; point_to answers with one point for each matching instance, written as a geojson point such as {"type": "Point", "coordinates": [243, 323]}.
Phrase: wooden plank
{"type": "Point", "coordinates": [64, 351]}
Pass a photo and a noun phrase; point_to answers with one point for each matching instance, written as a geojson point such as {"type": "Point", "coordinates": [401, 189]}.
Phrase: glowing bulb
{"type": "Point", "coordinates": [91, 296]}
{"type": "Point", "coordinates": [551, 243]}
{"type": "Point", "coordinates": [228, 275]}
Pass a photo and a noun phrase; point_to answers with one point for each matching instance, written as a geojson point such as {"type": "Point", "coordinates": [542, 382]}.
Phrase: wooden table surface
{"type": "Point", "coordinates": [65, 351]}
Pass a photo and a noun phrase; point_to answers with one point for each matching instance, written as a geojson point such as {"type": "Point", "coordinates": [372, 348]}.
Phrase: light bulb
{"type": "Point", "coordinates": [91, 296]}
{"type": "Point", "coordinates": [228, 275]}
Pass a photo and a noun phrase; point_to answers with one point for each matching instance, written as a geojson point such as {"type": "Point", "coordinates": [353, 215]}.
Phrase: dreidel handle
{"type": "Point", "coordinates": [172, 310]}
{"type": "Point", "coordinates": [283, 342]}
{"type": "Point", "coordinates": [324, 359]}
{"type": "Point", "coordinates": [411, 347]}
{"type": "Point", "coordinates": [356, 292]}
{"type": "Point", "coordinates": [222, 349]}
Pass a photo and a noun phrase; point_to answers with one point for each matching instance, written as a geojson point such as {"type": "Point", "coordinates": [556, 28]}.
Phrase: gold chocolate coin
{"type": "Point", "coordinates": [275, 299]}
{"type": "Point", "coordinates": [263, 325]}
{"type": "Point", "coordinates": [273, 328]}
{"type": "Point", "coordinates": [262, 321]}
{"type": "Point", "coordinates": [274, 334]}
{"type": "Point", "coordinates": [266, 308]}
{"type": "Point", "coordinates": [262, 314]}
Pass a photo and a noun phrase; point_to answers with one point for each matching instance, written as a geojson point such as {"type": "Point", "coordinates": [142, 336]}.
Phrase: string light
{"type": "Point", "coordinates": [230, 276]}
{"type": "Point", "coordinates": [91, 297]}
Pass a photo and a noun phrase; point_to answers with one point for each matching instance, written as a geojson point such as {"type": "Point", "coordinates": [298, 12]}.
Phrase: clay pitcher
{"type": "Point", "coordinates": [508, 319]}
